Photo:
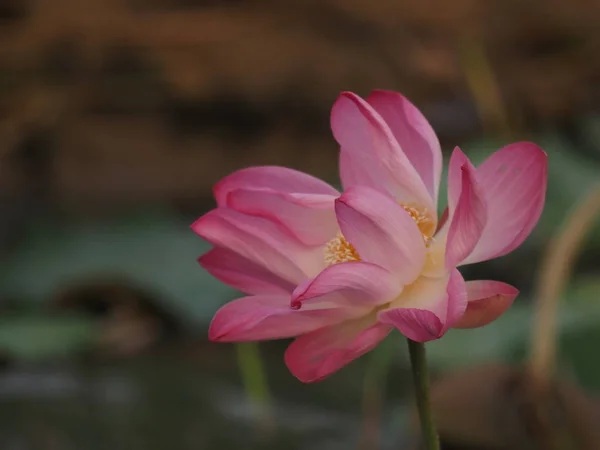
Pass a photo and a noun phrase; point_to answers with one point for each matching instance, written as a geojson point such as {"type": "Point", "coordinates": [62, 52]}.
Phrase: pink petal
{"type": "Point", "coordinates": [468, 219]}
{"type": "Point", "coordinates": [382, 232]}
{"type": "Point", "coordinates": [457, 160]}
{"type": "Point", "coordinates": [413, 133]}
{"type": "Point", "coordinates": [353, 284]}
{"type": "Point", "coordinates": [264, 317]}
{"type": "Point", "coordinates": [309, 217]}
{"type": "Point", "coordinates": [361, 131]}
{"type": "Point", "coordinates": [420, 325]}
{"type": "Point", "coordinates": [360, 169]}
{"type": "Point", "coordinates": [488, 300]}
{"type": "Point", "coordinates": [271, 177]}
{"type": "Point", "coordinates": [514, 182]}
{"type": "Point", "coordinates": [457, 299]}
{"type": "Point", "coordinates": [262, 242]}
{"type": "Point", "coordinates": [314, 356]}
{"type": "Point", "coordinates": [426, 310]}
{"type": "Point", "coordinates": [241, 273]}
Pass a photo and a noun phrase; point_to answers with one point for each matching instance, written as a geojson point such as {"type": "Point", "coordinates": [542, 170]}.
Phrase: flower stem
{"type": "Point", "coordinates": [255, 383]}
{"type": "Point", "coordinates": [418, 363]}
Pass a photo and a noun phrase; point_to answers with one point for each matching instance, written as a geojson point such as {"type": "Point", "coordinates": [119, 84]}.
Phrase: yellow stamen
{"type": "Point", "coordinates": [339, 250]}
{"type": "Point", "coordinates": [423, 220]}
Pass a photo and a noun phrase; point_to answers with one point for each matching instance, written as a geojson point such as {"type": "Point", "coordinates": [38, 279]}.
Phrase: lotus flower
{"type": "Point", "coordinates": [339, 272]}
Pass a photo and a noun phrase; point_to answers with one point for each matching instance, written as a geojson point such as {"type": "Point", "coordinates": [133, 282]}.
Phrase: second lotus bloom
{"type": "Point", "coordinates": [341, 271]}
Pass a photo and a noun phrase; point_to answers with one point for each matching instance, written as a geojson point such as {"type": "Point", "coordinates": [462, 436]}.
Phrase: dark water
{"type": "Point", "coordinates": [174, 402]}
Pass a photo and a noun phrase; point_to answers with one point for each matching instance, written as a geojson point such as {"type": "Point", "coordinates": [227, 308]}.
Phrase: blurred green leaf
{"type": "Point", "coordinates": [155, 250]}
{"type": "Point", "coordinates": [494, 342]}
{"type": "Point", "coordinates": [591, 128]}
{"type": "Point", "coordinates": [498, 340]}
{"type": "Point", "coordinates": [585, 290]}
{"type": "Point", "coordinates": [35, 338]}
{"type": "Point", "coordinates": [577, 354]}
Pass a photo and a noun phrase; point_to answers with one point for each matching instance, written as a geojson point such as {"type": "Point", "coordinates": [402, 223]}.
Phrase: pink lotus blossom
{"type": "Point", "coordinates": [339, 272]}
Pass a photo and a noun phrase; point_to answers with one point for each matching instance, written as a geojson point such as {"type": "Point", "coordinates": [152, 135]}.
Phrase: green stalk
{"type": "Point", "coordinates": [255, 383]}
{"type": "Point", "coordinates": [418, 364]}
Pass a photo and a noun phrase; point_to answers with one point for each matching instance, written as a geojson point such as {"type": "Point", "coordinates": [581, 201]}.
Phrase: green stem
{"type": "Point", "coordinates": [418, 363]}
{"type": "Point", "coordinates": [255, 382]}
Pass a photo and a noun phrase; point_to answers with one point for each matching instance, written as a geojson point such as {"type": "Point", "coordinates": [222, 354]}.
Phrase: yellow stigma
{"type": "Point", "coordinates": [422, 219]}
{"type": "Point", "coordinates": [339, 250]}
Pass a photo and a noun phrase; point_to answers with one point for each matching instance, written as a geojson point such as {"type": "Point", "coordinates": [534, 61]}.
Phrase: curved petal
{"type": "Point", "coordinates": [243, 274]}
{"type": "Point", "coordinates": [488, 300]}
{"type": "Point", "coordinates": [316, 355]}
{"type": "Point", "coordinates": [514, 182]}
{"type": "Point", "coordinates": [413, 133]}
{"type": "Point", "coordinates": [457, 160]}
{"type": "Point", "coordinates": [382, 232]}
{"type": "Point", "coordinates": [265, 317]}
{"type": "Point", "coordinates": [467, 220]}
{"type": "Point", "coordinates": [457, 299]}
{"type": "Point", "coordinates": [261, 242]}
{"type": "Point", "coordinates": [271, 177]}
{"type": "Point", "coordinates": [427, 309]}
{"type": "Point", "coordinates": [361, 131]}
{"type": "Point", "coordinates": [309, 217]}
{"type": "Point", "coordinates": [352, 284]}
{"type": "Point", "coordinates": [419, 325]}
{"type": "Point", "coordinates": [360, 169]}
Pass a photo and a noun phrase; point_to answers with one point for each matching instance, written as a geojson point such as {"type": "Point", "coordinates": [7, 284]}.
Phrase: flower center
{"type": "Point", "coordinates": [422, 219]}
{"type": "Point", "coordinates": [339, 250]}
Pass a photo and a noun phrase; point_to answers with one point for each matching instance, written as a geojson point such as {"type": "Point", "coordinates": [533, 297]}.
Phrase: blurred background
{"type": "Point", "coordinates": [118, 116]}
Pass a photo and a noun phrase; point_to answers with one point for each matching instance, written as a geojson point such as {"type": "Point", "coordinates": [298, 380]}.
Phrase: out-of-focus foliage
{"type": "Point", "coordinates": [156, 250]}
{"type": "Point", "coordinates": [40, 338]}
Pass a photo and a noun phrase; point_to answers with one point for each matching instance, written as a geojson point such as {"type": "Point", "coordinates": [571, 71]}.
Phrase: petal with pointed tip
{"type": "Point", "coordinates": [457, 160]}
{"type": "Point", "coordinates": [271, 177]}
{"type": "Point", "coordinates": [263, 317]}
{"type": "Point", "coordinates": [243, 274]}
{"type": "Point", "coordinates": [413, 133]}
{"type": "Point", "coordinates": [467, 220]}
{"type": "Point", "coordinates": [352, 284]}
{"type": "Point", "coordinates": [362, 132]}
{"type": "Point", "coordinates": [487, 300]}
{"type": "Point", "coordinates": [514, 182]}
